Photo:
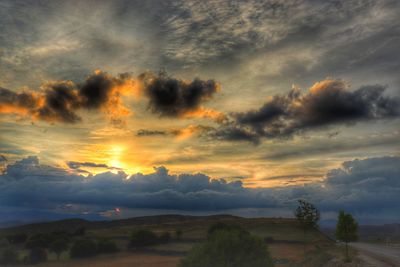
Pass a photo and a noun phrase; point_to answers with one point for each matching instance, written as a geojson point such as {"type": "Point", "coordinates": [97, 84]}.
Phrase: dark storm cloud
{"type": "Point", "coordinates": [327, 103]}
{"type": "Point", "coordinates": [176, 98]}
{"type": "Point", "coordinates": [60, 100]}
{"type": "Point", "coordinates": [144, 132]}
{"type": "Point", "coordinates": [361, 186]}
{"type": "Point", "coordinates": [77, 165]}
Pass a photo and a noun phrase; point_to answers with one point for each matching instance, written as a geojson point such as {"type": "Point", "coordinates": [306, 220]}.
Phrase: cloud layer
{"type": "Point", "coordinates": [328, 102]}
{"type": "Point", "coordinates": [59, 101]}
{"type": "Point", "coordinates": [361, 186]}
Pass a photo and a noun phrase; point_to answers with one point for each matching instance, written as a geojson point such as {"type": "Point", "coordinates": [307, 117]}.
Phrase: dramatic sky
{"type": "Point", "coordinates": [112, 109]}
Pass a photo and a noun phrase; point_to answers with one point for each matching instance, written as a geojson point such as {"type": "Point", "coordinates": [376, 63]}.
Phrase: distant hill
{"type": "Point", "coordinates": [385, 232]}
{"type": "Point", "coordinates": [73, 224]}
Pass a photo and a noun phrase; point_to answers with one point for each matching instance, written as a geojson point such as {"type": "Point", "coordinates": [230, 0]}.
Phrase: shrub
{"type": "Point", "coordinates": [106, 246]}
{"type": "Point", "coordinates": [80, 231]}
{"type": "Point", "coordinates": [8, 256]}
{"type": "Point", "coordinates": [4, 242]}
{"type": "Point", "coordinates": [143, 238]}
{"type": "Point", "coordinates": [58, 246]}
{"type": "Point", "coordinates": [83, 248]}
{"type": "Point", "coordinates": [229, 247]}
{"type": "Point", "coordinates": [17, 238]}
{"type": "Point", "coordinates": [37, 255]}
{"type": "Point", "coordinates": [223, 226]}
{"type": "Point", "coordinates": [165, 237]}
{"type": "Point", "coordinates": [178, 234]}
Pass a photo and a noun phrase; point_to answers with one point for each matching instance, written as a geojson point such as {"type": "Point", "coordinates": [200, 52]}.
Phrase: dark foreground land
{"type": "Point", "coordinates": [284, 239]}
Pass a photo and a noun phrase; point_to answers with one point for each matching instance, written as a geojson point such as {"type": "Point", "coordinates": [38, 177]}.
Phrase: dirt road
{"type": "Point", "coordinates": [378, 255]}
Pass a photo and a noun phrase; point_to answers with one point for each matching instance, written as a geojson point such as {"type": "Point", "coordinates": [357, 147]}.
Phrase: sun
{"type": "Point", "coordinates": [115, 154]}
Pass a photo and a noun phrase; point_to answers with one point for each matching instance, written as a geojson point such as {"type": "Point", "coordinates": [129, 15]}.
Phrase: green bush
{"type": "Point", "coordinates": [143, 238]}
{"type": "Point", "coordinates": [106, 246]}
{"type": "Point", "coordinates": [37, 255]}
{"type": "Point", "coordinates": [232, 247]}
{"type": "Point", "coordinates": [83, 248]}
{"type": "Point", "coordinates": [8, 256]}
{"type": "Point", "coordinates": [223, 226]}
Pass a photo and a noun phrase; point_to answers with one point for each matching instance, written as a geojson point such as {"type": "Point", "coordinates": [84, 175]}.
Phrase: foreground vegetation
{"type": "Point", "coordinates": [170, 241]}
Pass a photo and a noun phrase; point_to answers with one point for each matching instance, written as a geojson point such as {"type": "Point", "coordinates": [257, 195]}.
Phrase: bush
{"type": "Point", "coordinates": [58, 246]}
{"type": "Point", "coordinates": [178, 234]}
{"type": "Point", "coordinates": [165, 237]}
{"type": "Point", "coordinates": [80, 231]}
{"type": "Point", "coordinates": [83, 248]}
{"type": "Point", "coordinates": [223, 226]}
{"type": "Point", "coordinates": [106, 246]}
{"type": "Point", "coordinates": [37, 255]}
{"type": "Point", "coordinates": [4, 242]}
{"type": "Point", "coordinates": [8, 256]}
{"type": "Point", "coordinates": [17, 238]}
{"type": "Point", "coordinates": [229, 247]}
{"type": "Point", "coordinates": [143, 238]}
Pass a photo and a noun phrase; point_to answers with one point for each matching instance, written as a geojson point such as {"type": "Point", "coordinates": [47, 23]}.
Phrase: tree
{"type": "Point", "coordinates": [143, 238]}
{"type": "Point", "coordinates": [308, 217]}
{"type": "Point", "coordinates": [58, 246]}
{"type": "Point", "coordinates": [83, 248]}
{"type": "Point", "coordinates": [37, 255]}
{"type": "Point", "coordinates": [229, 248]}
{"type": "Point", "coordinates": [8, 256]}
{"type": "Point", "coordinates": [346, 230]}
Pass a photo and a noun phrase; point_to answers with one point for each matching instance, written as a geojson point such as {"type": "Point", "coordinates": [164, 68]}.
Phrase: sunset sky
{"type": "Point", "coordinates": [113, 109]}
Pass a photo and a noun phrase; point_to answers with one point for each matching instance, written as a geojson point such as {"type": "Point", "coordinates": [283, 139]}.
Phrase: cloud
{"type": "Point", "coordinates": [360, 186]}
{"type": "Point", "coordinates": [144, 132]}
{"type": "Point", "coordinates": [179, 133]}
{"type": "Point", "coordinates": [77, 165]}
{"type": "Point", "coordinates": [58, 101]}
{"type": "Point", "coordinates": [328, 102]}
{"type": "Point", "coordinates": [171, 97]}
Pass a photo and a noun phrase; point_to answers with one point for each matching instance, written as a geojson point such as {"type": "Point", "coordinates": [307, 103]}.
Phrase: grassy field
{"type": "Point", "coordinates": [283, 237]}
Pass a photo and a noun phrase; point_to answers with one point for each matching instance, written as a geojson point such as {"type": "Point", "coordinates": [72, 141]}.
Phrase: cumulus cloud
{"type": "Point", "coordinates": [77, 165]}
{"type": "Point", "coordinates": [171, 97]}
{"type": "Point", "coordinates": [328, 102]}
{"type": "Point", "coordinates": [361, 186]}
{"type": "Point", "coordinates": [180, 133]}
{"type": "Point", "coordinates": [58, 101]}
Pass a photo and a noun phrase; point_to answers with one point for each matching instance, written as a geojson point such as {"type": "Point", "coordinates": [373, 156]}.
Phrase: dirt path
{"type": "Point", "coordinates": [378, 255]}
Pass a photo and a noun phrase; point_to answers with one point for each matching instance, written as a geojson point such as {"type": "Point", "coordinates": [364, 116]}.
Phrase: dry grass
{"type": "Point", "coordinates": [123, 259]}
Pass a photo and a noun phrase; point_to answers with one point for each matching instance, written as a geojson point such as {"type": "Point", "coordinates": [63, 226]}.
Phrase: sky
{"type": "Point", "coordinates": [113, 109]}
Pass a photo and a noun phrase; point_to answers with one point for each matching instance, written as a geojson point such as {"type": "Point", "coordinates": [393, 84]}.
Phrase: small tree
{"type": "Point", "coordinates": [308, 217]}
{"type": "Point", "coordinates": [346, 230]}
{"type": "Point", "coordinates": [37, 255]}
{"type": "Point", "coordinates": [58, 246]}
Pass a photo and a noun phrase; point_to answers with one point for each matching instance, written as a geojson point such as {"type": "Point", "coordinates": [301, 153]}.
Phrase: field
{"type": "Point", "coordinates": [283, 237]}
